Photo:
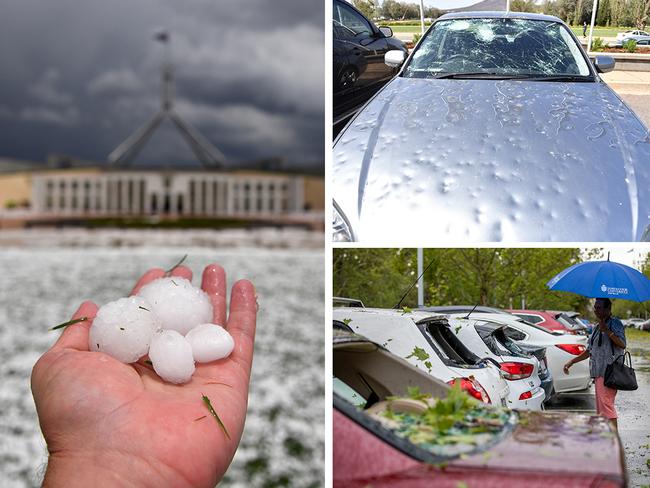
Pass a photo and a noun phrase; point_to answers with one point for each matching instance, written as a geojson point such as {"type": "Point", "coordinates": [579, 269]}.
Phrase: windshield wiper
{"type": "Point", "coordinates": [481, 74]}
{"type": "Point", "coordinates": [561, 78]}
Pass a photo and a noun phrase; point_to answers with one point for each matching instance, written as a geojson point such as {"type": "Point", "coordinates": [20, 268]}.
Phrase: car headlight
{"type": "Point", "coordinates": [341, 229]}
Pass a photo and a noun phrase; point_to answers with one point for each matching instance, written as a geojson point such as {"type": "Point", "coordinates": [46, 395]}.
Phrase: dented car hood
{"type": "Point", "coordinates": [494, 160]}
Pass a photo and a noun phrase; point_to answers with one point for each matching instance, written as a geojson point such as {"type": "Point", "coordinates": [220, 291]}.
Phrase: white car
{"type": "Point", "coordinates": [633, 34]}
{"type": "Point", "coordinates": [425, 340]}
{"type": "Point", "coordinates": [519, 369]}
{"type": "Point", "coordinates": [559, 349]}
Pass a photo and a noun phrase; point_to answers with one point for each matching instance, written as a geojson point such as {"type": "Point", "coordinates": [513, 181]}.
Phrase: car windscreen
{"type": "Point", "coordinates": [493, 46]}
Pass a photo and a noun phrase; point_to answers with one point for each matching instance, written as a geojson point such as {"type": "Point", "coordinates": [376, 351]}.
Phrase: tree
{"type": "Point", "coordinates": [366, 7]}
{"type": "Point", "coordinates": [523, 6]}
{"type": "Point", "coordinates": [640, 10]}
{"type": "Point", "coordinates": [496, 277]}
{"type": "Point", "coordinates": [392, 9]}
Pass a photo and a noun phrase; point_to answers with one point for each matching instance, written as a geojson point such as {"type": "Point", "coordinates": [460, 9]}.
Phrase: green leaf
{"type": "Point", "coordinates": [406, 310]}
{"type": "Point", "coordinates": [419, 354]}
{"type": "Point", "coordinates": [428, 365]}
{"type": "Point", "coordinates": [415, 393]}
{"type": "Point", "coordinates": [347, 321]}
{"type": "Point", "coordinates": [168, 272]}
{"type": "Point", "coordinates": [211, 409]}
{"type": "Point", "coordinates": [70, 322]}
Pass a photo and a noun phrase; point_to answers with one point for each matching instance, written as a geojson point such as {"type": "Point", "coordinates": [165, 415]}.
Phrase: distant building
{"type": "Point", "coordinates": [91, 191]}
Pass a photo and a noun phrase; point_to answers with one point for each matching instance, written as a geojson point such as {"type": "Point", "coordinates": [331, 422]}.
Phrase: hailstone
{"type": "Point", "coordinates": [123, 329]}
{"type": "Point", "coordinates": [210, 342]}
{"type": "Point", "coordinates": [177, 304]}
{"type": "Point", "coordinates": [171, 356]}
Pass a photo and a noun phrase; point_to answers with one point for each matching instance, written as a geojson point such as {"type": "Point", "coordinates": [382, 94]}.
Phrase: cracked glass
{"type": "Point", "coordinates": [520, 48]}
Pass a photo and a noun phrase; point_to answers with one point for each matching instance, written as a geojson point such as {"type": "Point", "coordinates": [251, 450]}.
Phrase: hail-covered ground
{"type": "Point", "coordinates": [284, 435]}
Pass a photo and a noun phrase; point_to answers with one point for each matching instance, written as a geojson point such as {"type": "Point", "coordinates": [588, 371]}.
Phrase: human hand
{"type": "Point", "coordinates": [112, 424]}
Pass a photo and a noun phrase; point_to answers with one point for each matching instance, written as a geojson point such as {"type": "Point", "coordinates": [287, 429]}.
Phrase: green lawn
{"type": "Point", "coordinates": [602, 31]}
{"type": "Point", "coordinates": [640, 338]}
{"type": "Point", "coordinates": [406, 28]}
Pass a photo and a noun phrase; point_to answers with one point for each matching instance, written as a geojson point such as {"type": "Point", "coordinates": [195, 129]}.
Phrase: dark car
{"type": "Point", "coordinates": [529, 449]}
{"type": "Point", "coordinates": [359, 68]}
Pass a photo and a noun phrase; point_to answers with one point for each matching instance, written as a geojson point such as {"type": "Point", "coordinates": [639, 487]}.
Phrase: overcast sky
{"type": "Point", "coordinates": [79, 76]}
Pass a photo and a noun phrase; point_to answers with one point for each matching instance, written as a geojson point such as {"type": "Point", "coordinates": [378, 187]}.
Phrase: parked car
{"type": "Point", "coordinates": [633, 35]}
{"type": "Point", "coordinates": [644, 325]}
{"type": "Point", "coordinates": [358, 53]}
{"type": "Point", "coordinates": [543, 318]}
{"type": "Point", "coordinates": [571, 320]}
{"type": "Point", "coordinates": [520, 369]}
{"type": "Point", "coordinates": [483, 135]}
{"type": "Point", "coordinates": [559, 349]}
{"type": "Point", "coordinates": [530, 450]}
{"type": "Point", "coordinates": [424, 340]}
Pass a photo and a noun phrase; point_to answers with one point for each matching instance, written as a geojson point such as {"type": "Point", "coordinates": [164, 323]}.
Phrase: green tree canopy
{"type": "Point", "coordinates": [499, 277]}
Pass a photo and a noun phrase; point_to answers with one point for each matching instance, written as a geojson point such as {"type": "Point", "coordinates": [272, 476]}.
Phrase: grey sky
{"type": "Point", "coordinates": [78, 76]}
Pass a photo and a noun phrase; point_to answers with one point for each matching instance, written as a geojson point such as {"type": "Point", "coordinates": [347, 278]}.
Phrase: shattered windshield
{"type": "Point", "coordinates": [517, 48]}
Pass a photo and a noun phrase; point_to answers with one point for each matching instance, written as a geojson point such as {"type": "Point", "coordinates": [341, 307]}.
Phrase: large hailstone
{"type": "Point", "coordinates": [177, 304]}
{"type": "Point", "coordinates": [123, 329]}
{"type": "Point", "coordinates": [210, 342]}
{"type": "Point", "coordinates": [171, 356]}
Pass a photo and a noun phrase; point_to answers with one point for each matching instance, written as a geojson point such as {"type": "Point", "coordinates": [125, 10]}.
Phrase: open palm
{"type": "Point", "coordinates": [113, 424]}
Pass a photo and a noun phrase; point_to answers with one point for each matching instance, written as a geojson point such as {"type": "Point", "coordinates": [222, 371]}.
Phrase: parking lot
{"type": "Point", "coordinates": [632, 407]}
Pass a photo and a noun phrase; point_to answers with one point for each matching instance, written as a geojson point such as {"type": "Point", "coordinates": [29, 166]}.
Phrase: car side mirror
{"type": "Point", "coordinates": [394, 58]}
{"type": "Point", "coordinates": [604, 64]}
{"type": "Point", "coordinates": [386, 31]}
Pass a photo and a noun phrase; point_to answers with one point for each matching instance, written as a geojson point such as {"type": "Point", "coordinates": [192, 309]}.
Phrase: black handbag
{"type": "Point", "coordinates": [619, 376]}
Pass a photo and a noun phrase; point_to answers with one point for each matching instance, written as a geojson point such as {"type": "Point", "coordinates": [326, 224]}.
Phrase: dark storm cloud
{"type": "Point", "coordinates": [77, 77]}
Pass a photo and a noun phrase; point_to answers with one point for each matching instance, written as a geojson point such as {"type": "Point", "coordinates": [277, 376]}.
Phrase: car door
{"type": "Point", "coordinates": [366, 48]}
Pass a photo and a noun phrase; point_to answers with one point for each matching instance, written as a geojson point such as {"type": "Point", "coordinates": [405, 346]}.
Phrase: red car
{"type": "Point", "coordinates": [536, 449]}
{"type": "Point", "coordinates": [543, 318]}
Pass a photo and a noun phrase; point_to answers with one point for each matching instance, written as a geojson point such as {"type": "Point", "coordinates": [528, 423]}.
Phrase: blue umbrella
{"type": "Point", "coordinates": [603, 279]}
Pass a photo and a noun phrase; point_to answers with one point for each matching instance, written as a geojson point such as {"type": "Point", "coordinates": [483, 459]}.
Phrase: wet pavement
{"type": "Point", "coordinates": [632, 407]}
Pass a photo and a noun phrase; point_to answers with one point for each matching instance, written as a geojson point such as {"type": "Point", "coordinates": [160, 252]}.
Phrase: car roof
{"type": "Point", "coordinates": [462, 308]}
{"type": "Point", "coordinates": [416, 315]}
{"type": "Point", "coordinates": [499, 15]}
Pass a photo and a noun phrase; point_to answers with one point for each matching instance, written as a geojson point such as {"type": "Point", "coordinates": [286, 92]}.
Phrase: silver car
{"type": "Point", "coordinates": [497, 128]}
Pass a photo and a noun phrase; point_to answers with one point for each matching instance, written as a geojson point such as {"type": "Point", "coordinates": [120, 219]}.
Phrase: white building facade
{"type": "Point", "coordinates": [174, 193]}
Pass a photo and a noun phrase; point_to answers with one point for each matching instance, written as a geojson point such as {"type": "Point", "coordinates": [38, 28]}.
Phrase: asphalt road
{"type": "Point", "coordinates": [632, 407]}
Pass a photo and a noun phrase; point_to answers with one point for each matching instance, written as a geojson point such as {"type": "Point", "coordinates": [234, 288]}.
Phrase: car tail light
{"type": "Point", "coordinates": [526, 395]}
{"type": "Point", "coordinates": [516, 371]}
{"type": "Point", "coordinates": [472, 388]}
{"type": "Point", "coordinates": [575, 349]}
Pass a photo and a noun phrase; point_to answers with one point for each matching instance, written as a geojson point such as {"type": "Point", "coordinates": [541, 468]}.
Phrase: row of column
{"type": "Point", "coordinates": [212, 196]}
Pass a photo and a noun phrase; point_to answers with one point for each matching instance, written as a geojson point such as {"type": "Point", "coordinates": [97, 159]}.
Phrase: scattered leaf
{"type": "Point", "coordinates": [217, 383]}
{"type": "Point", "coordinates": [347, 321]}
{"type": "Point", "coordinates": [211, 409]}
{"type": "Point", "coordinates": [70, 322]}
{"type": "Point", "coordinates": [419, 354]}
{"type": "Point", "coordinates": [169, 271]}
{"type": "Point", "coordinates": [406, 310]}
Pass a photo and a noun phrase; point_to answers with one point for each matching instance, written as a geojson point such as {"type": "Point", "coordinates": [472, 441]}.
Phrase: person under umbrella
{"type": "Point", "coordinates": [607, 339]}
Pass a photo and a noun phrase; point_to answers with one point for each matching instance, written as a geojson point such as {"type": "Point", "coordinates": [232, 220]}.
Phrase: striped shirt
{"type": "Point", "coordinates": [602, 355]}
